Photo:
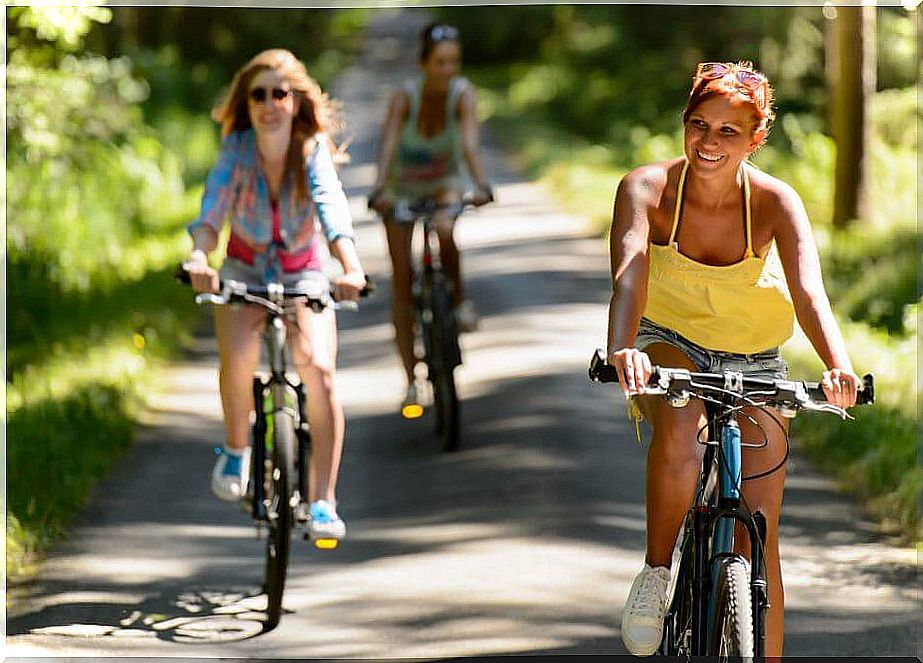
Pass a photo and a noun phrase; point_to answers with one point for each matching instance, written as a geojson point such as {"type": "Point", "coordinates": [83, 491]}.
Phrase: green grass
{"type": "Point", "coordinates": [876, 455]}
{"type": "Point", "coordinates": [71, 409]}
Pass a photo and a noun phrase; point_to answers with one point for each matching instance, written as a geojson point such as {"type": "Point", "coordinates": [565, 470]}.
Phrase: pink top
{"type": "Point", "coordinates": [309, 258]}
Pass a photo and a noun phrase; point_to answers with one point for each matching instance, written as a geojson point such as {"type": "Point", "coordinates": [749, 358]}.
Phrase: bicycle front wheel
{"type": "Point", "coordinates": [446, 355]}
{"type": "Point", "coordinates": [732, 630]}
{"type": "Point", "coordinates": [279, 511]}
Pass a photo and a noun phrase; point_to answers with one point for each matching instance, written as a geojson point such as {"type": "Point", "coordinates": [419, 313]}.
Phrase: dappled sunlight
{"type": "Point", "coordinates": [488, 595]}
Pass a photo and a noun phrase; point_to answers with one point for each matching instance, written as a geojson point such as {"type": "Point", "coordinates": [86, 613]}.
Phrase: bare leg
{"type": "Point", "coordinates": [448, 249]}
{"type": "Point", "coordinates": [673, 461]}
{"type": "Point", "coordinates": [239, 333]}
{"type": "Point", "coordinates": [314, 348]}
{"type": "Point", "coordinates": [402, 307]}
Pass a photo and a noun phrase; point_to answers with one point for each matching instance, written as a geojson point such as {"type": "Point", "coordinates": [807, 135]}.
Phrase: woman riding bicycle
{"type": "Point", "coordinates": [274, 178]}
{"type": "Point", "coordinates": [430, 127]}
{"type": "Point", "coordinates": [711, 261]}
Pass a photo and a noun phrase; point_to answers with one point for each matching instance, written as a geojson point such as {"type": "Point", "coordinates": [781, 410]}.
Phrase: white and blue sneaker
{"type": "Point", "coordinates": [230, 474]}
{"type": "Point", "coordinates": [324, 523]}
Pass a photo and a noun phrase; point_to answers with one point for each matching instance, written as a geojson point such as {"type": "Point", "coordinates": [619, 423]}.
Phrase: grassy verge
{"type": "Point", "coordinates": [871, 277]}
{"type": "Point", "coordinates": [71, 415]}
{"type": "Point", "coordinates": [874, 456]}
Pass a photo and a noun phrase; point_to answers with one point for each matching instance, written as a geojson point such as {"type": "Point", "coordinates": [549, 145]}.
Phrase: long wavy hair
{"type": "Point", "coordinates": [317, 113]}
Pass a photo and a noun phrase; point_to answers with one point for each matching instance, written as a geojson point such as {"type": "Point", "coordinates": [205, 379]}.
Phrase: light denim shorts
{"type": "Point", "coordinates": [238, 270]}
{"type": "Point", "coordinates": [765, 364]}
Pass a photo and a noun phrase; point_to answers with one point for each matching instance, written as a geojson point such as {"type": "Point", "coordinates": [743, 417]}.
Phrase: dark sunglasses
{"type": "Point", "coordinates": [443, 33]}
{"type": "Point", "coordinates": [259, 94]}
{"type": "Point", "coordinates": [751, 81]}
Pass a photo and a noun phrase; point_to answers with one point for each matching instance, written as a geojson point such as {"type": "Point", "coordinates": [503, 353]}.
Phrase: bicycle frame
{"type": "Point", "coordinates": [707, 543]}
{"type": "Point", "coordinates": [716, 510]}
{"type": "Point", "coordinates": [277, 386]}
{"type": "Point", "coordinates": [426, 278]}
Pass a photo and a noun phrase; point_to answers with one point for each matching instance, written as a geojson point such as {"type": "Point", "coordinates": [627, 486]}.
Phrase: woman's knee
{"type": "Point", "coordinates": [674, 444]}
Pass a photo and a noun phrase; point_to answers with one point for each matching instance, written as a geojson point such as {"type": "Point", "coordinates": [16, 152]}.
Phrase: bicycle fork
{"type": "Point", "coordinates": [722, 520]}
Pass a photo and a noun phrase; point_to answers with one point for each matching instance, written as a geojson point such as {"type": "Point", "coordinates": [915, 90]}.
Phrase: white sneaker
{"type": "Point", "coordinates": [642, 618]}
{"type": "Point", "coordinates": [323, 521]}
{"type": "Point", "coordinates": [230, 474]}
{"type": "Point", "coordinates": [466, 316]}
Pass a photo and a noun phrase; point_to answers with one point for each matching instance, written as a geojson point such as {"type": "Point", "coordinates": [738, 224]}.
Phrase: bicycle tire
{"type": "Point", "coordinates": [446, 355]}
{"type": "Point", "coordinates": [278, 544]}
{"type": "Point", "coordinates": [732, 629]}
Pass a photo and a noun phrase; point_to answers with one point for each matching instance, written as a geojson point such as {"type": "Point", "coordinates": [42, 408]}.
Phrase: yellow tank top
{"type": "Point", "coordinates": [744, 308]}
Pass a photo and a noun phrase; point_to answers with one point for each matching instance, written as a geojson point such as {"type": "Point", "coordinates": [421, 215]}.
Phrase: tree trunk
{"type": "Point", "coordinates": [852, 90]}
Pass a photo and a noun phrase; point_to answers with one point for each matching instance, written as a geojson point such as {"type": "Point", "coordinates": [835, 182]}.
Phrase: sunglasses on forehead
{"type": "Point", "coordinates": [443, 33]}
{"type": "Point", "coordinates": [744, 76]}
{"type": "Point", "coordinates": [260, 94]}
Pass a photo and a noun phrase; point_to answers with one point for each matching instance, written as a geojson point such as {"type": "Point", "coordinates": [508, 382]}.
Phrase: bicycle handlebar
{"type": "Point", "coordinates": [789, 394]}
{"type": "Point", "coordinates": [238, 291]}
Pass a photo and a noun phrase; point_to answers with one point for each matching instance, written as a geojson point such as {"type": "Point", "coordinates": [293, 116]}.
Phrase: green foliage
{"type": "Point", "coordinates": [85, 177]}
{"type": "Point", "coordinates": [875, 455]}
{"type": "Point", "coordinates": [871, 275]}
{"type": "Point", "coordinates": [95, 210]}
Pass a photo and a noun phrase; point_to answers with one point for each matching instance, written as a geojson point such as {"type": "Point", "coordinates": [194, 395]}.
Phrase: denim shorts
{"type": "Point", "coordinates": [765, 364]}
{"type": "Point", "coordinates": [238, 270]}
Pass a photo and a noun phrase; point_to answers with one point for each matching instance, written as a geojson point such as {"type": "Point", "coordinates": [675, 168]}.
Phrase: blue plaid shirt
{"type": "Point", "coordinates": [237, 188]}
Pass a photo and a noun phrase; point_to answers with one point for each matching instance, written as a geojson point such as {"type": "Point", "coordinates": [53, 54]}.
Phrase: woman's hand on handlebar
{"type": "Point", "coordinates": [349, 286]}
{"type": "Point", "coordinates": [201, 276]}
{"type": "Point", "coordinates": [633, 367]}
{"type": "Point", "coordinates": [380, 202]}
{"type": "Point", "coordinates": [482, 195]}
{"type": "Point", "coordinates": [840, 387]}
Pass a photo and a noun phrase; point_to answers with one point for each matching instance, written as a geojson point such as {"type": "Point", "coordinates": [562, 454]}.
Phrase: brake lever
{"type": "Point", "coordinates": [827, 407]}
{"type": "Point", "coordinates": [210, 298]}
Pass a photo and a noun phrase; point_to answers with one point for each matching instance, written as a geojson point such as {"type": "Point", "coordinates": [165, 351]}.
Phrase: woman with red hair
{"type": "Point", "coordinates": [274, 180]}
{"type": "Point", "coordinates": [712, 259]}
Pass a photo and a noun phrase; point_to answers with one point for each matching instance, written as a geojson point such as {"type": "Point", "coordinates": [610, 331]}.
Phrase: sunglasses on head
{"type": "Point", "coordinates": [751, 81]}
{"type": "Point", "coordinates": [260, 94]}
{"type": "Point", "coordinates": [443, 33]}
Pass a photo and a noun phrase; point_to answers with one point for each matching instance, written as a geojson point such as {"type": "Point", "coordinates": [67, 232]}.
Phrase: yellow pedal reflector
{"type": "Point", "coordinates": [412, 411]}
{"type": "Point", "coordinates": [326, 544]}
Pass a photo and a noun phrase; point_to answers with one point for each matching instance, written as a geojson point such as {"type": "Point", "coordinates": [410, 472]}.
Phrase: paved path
{"type": "Point", "coordinates": [523, 542]}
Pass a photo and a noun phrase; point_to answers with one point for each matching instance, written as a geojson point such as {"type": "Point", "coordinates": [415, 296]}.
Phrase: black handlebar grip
{"type": "Point", "coordinates": [865, 396]}
{"type": "Point", "coordinates": [599, 370]}
{"type": "Point", "coordinates": [182, 275]}
{"type": "Point", "coordinates": [369, 288]}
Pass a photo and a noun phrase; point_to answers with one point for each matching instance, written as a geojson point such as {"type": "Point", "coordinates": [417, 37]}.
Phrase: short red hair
{"type": "Point", "coordinates": [728, 86]}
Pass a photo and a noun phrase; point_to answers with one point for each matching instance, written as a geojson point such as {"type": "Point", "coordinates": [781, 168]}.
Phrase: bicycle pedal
{"type": "Point", "coordinates": [325, 544]}
{"type": "Point", "coordinates": [412, 411]}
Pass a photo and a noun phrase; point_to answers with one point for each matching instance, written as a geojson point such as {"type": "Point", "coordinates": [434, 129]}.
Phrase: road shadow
{"type": "Point", "coordinates": [185, 616]}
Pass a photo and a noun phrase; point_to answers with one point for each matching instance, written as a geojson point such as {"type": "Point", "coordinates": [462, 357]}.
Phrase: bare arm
{"type": "Point", "coordinates": [351, 283]}
{"type": "Point", "coordinates": [798, 252]}
{"type": "Point", "coordinates": [628, 250]}
{"type": "Point", "coordinates": [398, 109]}
{"type": "Point", "coordinates": [470, 135]}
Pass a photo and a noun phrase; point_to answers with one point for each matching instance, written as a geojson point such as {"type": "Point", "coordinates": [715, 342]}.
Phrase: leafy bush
{"type": "Point", "coordinates": [95, 209]}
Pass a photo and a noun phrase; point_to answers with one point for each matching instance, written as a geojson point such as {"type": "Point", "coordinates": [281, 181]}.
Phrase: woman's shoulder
{"type": "Point", "coordinates": [770, 192]}
{"type": "Point", "coordinates": [651, 180]}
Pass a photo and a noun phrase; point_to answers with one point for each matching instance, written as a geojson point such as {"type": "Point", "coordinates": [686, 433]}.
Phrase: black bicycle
{"type": "Point", "coordinates": [436, 319]}
{"type": "Point", "coordinates": [720, 598]}
{"type": "Point", "coordinates": [277, 492]}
